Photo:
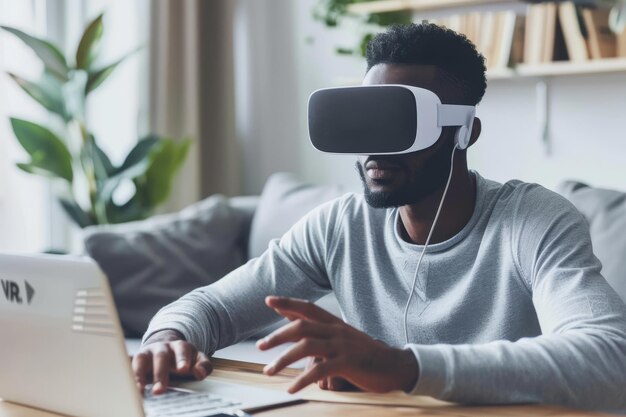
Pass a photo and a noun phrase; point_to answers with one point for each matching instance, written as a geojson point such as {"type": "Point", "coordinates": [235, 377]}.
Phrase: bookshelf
{"type": "Point", "coordinates": [555, 42]}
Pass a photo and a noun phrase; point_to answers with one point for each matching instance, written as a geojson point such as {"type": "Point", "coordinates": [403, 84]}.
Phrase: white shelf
{"type": "Point", "coordinates": [501, 74]}
{"type": "Point", "coordinates": [422, 5]}
{"type": "Point", "coordinates": [552, 69]}
{"type": "Point", "coordinates": [572, 68]}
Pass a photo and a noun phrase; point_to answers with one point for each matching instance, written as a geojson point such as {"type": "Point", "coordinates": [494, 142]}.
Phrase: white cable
{"type": "Point", "coordinates": [419, 262]}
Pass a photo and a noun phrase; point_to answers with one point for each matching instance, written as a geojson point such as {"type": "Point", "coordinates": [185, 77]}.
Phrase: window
{"type": "Point", "coordinates": [30, 219]}
{"type": "Point", "coordinates": [24, 199]}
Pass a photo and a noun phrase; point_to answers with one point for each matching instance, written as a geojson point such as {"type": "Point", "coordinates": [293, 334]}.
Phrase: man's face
{"type": "Point", "coordinates": [397, 180]}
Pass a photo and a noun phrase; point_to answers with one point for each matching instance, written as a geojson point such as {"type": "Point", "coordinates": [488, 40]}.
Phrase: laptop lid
{"type": "Point", "coordinates": [62, 345]}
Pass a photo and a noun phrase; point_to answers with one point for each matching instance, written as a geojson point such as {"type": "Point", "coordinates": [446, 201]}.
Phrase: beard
{"type": "Point", "coordinates": [431, 176]}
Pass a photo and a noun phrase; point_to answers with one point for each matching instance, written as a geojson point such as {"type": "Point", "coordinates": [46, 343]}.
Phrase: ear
{"type": "Point", "coordinates": [476, 129]}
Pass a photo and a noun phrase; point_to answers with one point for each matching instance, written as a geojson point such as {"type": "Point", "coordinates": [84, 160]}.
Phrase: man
{"type": "Point", "coordinates": [508, 306]}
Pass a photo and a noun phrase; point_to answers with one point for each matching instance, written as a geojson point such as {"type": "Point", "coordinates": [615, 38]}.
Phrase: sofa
{"type": "Point", "coordinates": [153, 262]}
{"type": "Point", "coordinates": [605, 212]}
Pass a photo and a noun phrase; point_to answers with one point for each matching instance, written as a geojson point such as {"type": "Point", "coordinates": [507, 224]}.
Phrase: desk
{"type": "Point", "coordinates": [232, 370]}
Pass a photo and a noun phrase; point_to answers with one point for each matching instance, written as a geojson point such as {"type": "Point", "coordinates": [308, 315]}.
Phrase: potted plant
{"type": "Point", "coordinates": [67, 152]}
{"type": "Point", "coordinates": [333, 12]}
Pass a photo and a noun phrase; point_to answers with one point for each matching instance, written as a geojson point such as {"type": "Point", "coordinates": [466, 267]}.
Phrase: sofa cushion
{"type": "Point", "coordinates": [153, 262]}
{"type": "Point", "coordinates": [284, 200]}
{"type": "Point", "coordinates": [605, 211]}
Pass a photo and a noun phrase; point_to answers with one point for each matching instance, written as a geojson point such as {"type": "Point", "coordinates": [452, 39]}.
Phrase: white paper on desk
{"type": "Point", "coordinates": [314, 393]}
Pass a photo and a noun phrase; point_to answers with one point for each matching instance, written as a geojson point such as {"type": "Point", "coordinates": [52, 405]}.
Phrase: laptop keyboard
{"type": "Point", "coordinates": [183, 403]}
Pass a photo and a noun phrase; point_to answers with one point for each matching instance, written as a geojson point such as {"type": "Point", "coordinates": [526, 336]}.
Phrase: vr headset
{"type": "Point", "coordinates": [384, 119]}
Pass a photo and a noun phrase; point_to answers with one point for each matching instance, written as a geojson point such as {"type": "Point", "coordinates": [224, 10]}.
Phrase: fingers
{"type": "Point", "coordinates": [289, 316]}
{"type": "Point", "coordinates": [320, 370]}
{"type": "Point", "coordinates": [295, 331]}
{"type": "Point", "coordinates": [323, 383]}
{"type": "Point", "coordinates": [333, 383]}
{"type": "Point", "coordinates": [162, 359]}
{"type": "Point", "coordinates": [202, 367]}
{"type": "Point", "coordinates": [302, 349]}
{"type": "Point", "coordinates": [311, 363]}
{"type": "Point", "coordinates": [294, 307]}
{"type": "Point", "coordinates": [189, 360]}
{"type": "Point", "coordinates": [142, 366]}
{"type": "Point", "coordinates": [184, 356]}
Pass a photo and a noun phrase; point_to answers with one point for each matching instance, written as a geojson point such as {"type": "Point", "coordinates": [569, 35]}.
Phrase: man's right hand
{"type": "Point", "coordinates": [164, 353]}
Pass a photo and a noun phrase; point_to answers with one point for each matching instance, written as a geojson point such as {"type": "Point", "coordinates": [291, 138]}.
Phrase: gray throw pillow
{"type": "Point", "coordinates": [605, 211]}
{"type": "Point", "coordinates": [153, 262]}
{"type": "Point", "coordinates": [285, 200]}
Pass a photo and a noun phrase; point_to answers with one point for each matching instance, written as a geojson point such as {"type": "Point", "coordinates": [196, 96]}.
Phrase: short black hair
{"type": "Point", "coordinates": [430, 44]}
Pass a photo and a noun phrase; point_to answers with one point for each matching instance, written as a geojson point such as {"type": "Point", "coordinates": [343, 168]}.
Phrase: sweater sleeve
{"type": "Point", "coordinates": [580, 358]}
{"type": "Point", "coordinates": [233, 308]}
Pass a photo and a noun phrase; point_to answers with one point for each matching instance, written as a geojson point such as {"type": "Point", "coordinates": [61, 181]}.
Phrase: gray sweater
{"type": "Point", "coordinates": [513, 309]}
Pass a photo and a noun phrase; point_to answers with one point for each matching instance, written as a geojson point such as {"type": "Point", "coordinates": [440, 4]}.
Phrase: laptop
{"type": "Point", "coordinates": [63, 349]}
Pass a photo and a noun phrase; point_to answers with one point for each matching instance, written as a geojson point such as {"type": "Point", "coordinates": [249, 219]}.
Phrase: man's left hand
{"type": "Point", "coordinates": [340, 350]}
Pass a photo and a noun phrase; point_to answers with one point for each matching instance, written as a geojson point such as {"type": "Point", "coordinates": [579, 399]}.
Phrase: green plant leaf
{"type": "Point", "coordinates": [101, 160]}
{"type": "Point", "coordinates": [154, 186]}
{"type": "Point", "coordinates": [95, 156]}
{"type": "Point", "coordinates": [46, 92]}
{"type": "Point", "coordinates": [130, 211]}
{"type": "Point", "coordinates": [36, 170]}
{"type": "Point", "coordinates": [98, 76]}
{"type": "Point", "coordinates": [140, 152]}
{"type": "Point", "coordinates": [364, 42]}
{"type": "Point", "coordinates": [75, 212]}
{"type": "Point", "coordinates": [89, 45]}
{"type": "Point", "coordinates": [331, 11]}
{"type": "Point", "coordinates": [48, 153]}
{"type": "Point", "coordinates": [400, 17]}
{"type": "Point", "coordinates": [135, 165]}
{"type": "Point", "coordinates": [166, 161]}
{"type": "Point", "coordinates": [51, 56]}
{"type": "Point", "coordinates": [344, 51]}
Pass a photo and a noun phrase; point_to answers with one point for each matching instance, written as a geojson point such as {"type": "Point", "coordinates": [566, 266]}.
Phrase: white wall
{"type": "Point", "coordinates": [586, 112]}
{"type": "Point", "coordinates": [587, 132]}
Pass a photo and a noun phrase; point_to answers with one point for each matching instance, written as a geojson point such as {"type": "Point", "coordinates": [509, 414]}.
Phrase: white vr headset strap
{"type": "Point", "coordinates": [457, 115]}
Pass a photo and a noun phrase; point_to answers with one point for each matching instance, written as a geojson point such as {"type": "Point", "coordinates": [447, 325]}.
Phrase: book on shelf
{"type": "Point", "coordinates": [559, 52]}
{"type": "Point", "coordinates": [473, 27]}
{"type": "Point", "coordinates": [550, 25]}
{"type": "Point", "coordinates": [506, 24]}
{"type": "Point", "coordinates": [487, 36]}
{"type": "Point", "coordinates": [601, 41]}
{"type": "Point", "coordinates": [493, 33]}
{"type": "Point", "coordinates": [535, 34]}
{"type": "Point", "coordinates": [574, 32]}
{"type": "Point", "coordinates": [621, 44]}
{"type": "Point", "coordinates": [517, 45]}
{"type": "Point", "coordinates": [546, 33]}
{"type": "Point", "coordinates": [455, 23]}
